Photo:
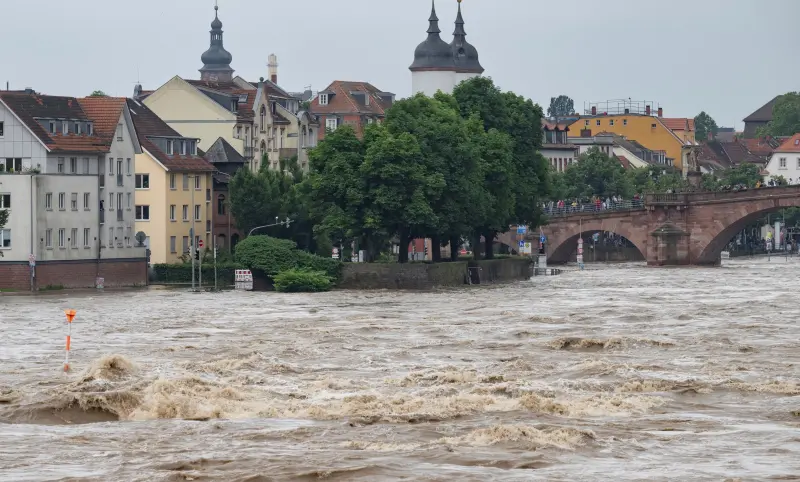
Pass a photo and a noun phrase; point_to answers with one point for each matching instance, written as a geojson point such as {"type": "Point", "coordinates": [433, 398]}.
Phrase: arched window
{"type": "Point", "coordinates": [221, 205]}
{"type": "Point", "coordinates": [263, 123]}
{"type": "Point", "coordinates": [263, 147]}
{"type": "Point", "coordinates": [311, 140]}
{"type": "Point", "coordinates": [303, 139]}
{"type": "Point", "coordinates": [222, 241]}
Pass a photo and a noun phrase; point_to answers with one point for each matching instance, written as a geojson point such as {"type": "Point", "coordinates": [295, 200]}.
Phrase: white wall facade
{"type": "Point", "coordinates": [559, 159]}
{"type": "Point", "coordinates": [19, 187]}
{"type": "Point", "coordinates": [430, 82]}
{"type": "Point", "coordinates": [461, 77]}
{"type": "Point", "coordinates": [786, 164]}
{"type": "Point", "coordinates": [81, 216]}
{"type": "Point", "coordinates": [17, 142]}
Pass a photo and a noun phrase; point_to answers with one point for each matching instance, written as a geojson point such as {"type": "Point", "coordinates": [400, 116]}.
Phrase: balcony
{"type": "Point", "coordinates": [119, 180]}
{"type": "Point", "coordinates": [248, 152]}
{"type": "Point", "coordinates": [119, 215]}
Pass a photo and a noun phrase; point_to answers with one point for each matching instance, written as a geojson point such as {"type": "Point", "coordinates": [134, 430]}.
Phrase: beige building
{"type": "Point", "coordinates": [173, 188]}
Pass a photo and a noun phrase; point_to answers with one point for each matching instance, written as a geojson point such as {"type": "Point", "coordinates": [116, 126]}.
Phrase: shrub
{"type": "Point", "coordinates": [266, 254]}
{"type": "Point", "coordinates": [301, 281]}
{"type": "Point", "coordinates": [311, 262]}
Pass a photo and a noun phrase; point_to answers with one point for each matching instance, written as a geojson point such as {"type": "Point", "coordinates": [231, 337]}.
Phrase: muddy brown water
{"type": "Point", "coordinates": [615, 373]}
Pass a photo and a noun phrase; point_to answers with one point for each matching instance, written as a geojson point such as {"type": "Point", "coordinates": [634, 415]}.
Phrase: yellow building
{"type": "Point", "coordinates": [173, 188]}
{"type": "Point", "coordinates": [636, 121]}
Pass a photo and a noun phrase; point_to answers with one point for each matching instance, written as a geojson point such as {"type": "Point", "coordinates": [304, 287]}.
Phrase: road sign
{"type": "Point", "coordinates": [335, 254]}
{"type": "Point", "coordinates": [522, 244]}
{"type": "Point", "coordinates": [522, 229]}
{"type": "Point", "coordinates": [527, 248]}
{"type": "Point", "coordinates": [200, 243]}
{"type": "Point", "coordinates": [542, 239]}
{"type": "Point", "coordinates": [32, 260]}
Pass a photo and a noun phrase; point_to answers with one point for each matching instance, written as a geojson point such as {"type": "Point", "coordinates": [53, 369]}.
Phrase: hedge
{"type": "Point", "coordinates": [270, 256]}
{"type": "Point", "coordinates": [301, 281]}
{"type": "Point", "coordinates": [182, 273]}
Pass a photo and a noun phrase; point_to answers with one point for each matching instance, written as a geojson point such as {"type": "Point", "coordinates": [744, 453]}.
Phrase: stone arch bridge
{"type": "Point", "coordinates": [668, 229]}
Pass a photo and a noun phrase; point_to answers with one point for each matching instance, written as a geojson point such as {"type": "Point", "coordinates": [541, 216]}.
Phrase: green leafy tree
{"type": "Point", "coordinates": [3, 218]}
{"type": "Point", "coordinates": [745, 174]}
{"type": "Point", "coordinates": [561, 106]}
{"type": "Point", "coordinates": [596, 174]}
{"type": "Point", "coordinates": [98, 93]}
{"type": "Point", "coordinates": [709, 182]}
{"type": "Point", "coordinates": [785, 117]}
{"type": "Point", "coordinates": [703, 125]}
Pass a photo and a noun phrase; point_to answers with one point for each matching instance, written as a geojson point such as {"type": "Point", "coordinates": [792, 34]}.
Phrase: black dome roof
{"type": "Point", "coordinates": [464, 53]}
{"type": "Point", "coordinates": [216, 57]}
{"type": "Point", "coordinates": [433, 53]}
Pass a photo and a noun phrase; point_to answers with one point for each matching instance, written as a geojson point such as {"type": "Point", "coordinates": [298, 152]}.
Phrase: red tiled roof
{"type": "Point", "coordinates": [147, 125]}
{"type": "Point", "coordinates": [341, 101]}
{"type": "Point", "coordinates": [29, 107]}
{"type": "Point", "coordinates": [760, 146]}
{"type": "Point", "coordinates": [562, 126]}
{"type": "Point", "coordinates": [678, 123]}
{"type": "Point", "coordinates": [791, 145]}
{"type": "Point", "coordinates": [624, 161]}
{"type": "Point", "coordinates": [105, 112]}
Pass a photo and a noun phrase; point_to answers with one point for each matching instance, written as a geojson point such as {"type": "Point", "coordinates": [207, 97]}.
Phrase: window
{"type": "Point", "coordinates": [172, 182]}
{"type": "Point", "coordinates": [129, 201]}
{"type": "Point", "coordinates": [110, 242]}
{"type": "Point", "coordinates": [586, 123]}
{"type": "Point", "coordinates": [73, 240]}
{"type": "Point", "coordinates": [61, 238]}
{"type": "Point", "coordinates": [197, 183]}
{"type": "Point", "coordinates": [370, 120]}
{"type": "Point", "coordinates": [111, 201]}
{"type": "Point", "coordinates": [128, 166]}
{"type": "Point", "coordinates": [783, 162]}
{"type": "Point", "coordinates": [62, 200]}
{"type": "Point", "coordinates": [77, 127]}
{"type": "Point", "coordinates": [2, 129]}
{"type": "Point", "coordinates": [86, 198]}
{"type": "Point", "coordinates": [652, 126]}
{"type": "Point", "coordinates": [60, 165]}
{"type": "Point", "coordinates": [185, 212]}
{"type": "Point", "coordinates": [611, 122]}
{"type": "Point", "coordinates": [73, 201]}
{"type": "Point", "coordinates": [331, 124]}
{"type": "Point", "coordinates": [52, 127]}
{"type": "Point", "coordinates": [89, 129]}
{"type": "Point", "coordinates": [119, 171]}
{"type": "Point", "coordinates": [143, 213]}
{"type": "Point", "coordinates": [185, 182]}
{"type": "Point", "coordinates": [12, 164]}
{"type": "Point", "coordinates": [221, 205]}
{"type": "Point", "coordinates": [598, 122]}
{"type": "Point", "coordinates": [172, 244]}
{"type": "Point", "coordinates": [197, 212]}
{"type": "Point", "coordinates": [170, 148]}
{"type": "Point", "coordinates": [143, 181]}
{"type": "Point", "coordinates": [48, 238]}
{"type": "Point", "coordinates": [5, 239]}
{"type": "Point", "coordinates": [119, 205]}
{"type": "Point", "coordinates": [5, 201]}
{"type": "Point", "coordinates": [119, 237]}
{"type": "Point", "coordinates": [323, 99]}
{"type": "Point", "coordinates": [65, 127]}
{"type": "Point", "coordinates": [87, 237]}
{"type": "Point", "coordinates": [172, 212]}
{"type": "Point", "coordinates": [48, 201]}
{"type": "Point", "coordinates": [624, 122]}
{"type": "Point", "coordinates": [183, 148]}
{"type": "Point", "coordinates": [111, 166]}
{"type": "Point", "coordinates": [86, 165]}
{"type": "Point", "coordinates": [186, 244]}
{"type": "Point", "coordinates": [798, 162]}
{"type": "Point", "coordinates": [119, 132]}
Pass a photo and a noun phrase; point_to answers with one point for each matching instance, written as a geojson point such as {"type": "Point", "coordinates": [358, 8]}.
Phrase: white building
{"type": "Point", "coordinates": [441, 66]}
{"type": "Point", "coordinates": [785, 161]}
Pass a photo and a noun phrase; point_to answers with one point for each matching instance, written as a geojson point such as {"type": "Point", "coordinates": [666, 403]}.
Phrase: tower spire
{"type": "Point", "coordinates": [433, 28]}
{"type": "Point", "coordinates": [216, 60]}
{"type": "Point", "coordinates": [460, 33]}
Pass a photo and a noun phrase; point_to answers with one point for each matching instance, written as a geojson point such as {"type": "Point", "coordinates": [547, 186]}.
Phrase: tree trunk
{"type": "Point", "coordinates": [454, 245]}
{"type": "Point", "coordinates": [436, 249]}
{"type": "Point", "coordinates": [404, 240]}
{"type": "Point", "coordinates": [477, 247]}
{"type": "Point", "coordinates": [489, 245]}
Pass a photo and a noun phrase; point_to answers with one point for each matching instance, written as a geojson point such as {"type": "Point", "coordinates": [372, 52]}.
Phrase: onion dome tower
{"type": "Point", "coordinates": [465, 55]}
{"type": "Point", "coordinates": [434, 66]}
{"type": "Point", "coordinates": [216, 60]}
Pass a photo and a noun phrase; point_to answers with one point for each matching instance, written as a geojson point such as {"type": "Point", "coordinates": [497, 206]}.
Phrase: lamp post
{"type": "Point", "coordinates": [285, 222]}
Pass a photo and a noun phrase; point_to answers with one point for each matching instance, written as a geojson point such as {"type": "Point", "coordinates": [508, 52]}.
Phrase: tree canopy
{"type": "Point", "coordinates": [98, 93]}
{"type": "Point", "coordinates": [3, 218]}
{"type": "Point", "coordinates": [561, 106]}
{"type": "Point", "coordinates": [704, 125]}
{"type": "Point", "coordinates": [785, 117]}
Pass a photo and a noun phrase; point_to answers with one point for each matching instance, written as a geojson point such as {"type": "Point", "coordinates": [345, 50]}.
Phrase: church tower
{"type": "Point", "coordinates": [439, 65]}
{"type": "Point", "coordinates": [216, 60]}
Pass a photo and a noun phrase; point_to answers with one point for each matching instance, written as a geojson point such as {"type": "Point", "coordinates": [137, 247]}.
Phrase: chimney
{"type": "Point", "coordinates": [586, 133]}
{"type": "Point", "coordinates": [647, 110]}
{"type": "Point", "coordinates": [273, 68]}
{"type": "Point", "coordinates": [660, 112]}
{"type": "Point", "coordinates": [594, 110]}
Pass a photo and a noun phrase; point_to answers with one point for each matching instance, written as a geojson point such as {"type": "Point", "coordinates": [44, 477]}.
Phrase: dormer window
{"type": "Point", "coordinates": [65, 127]}
{"type": "Point", "coordinates": [78, 128]}
{"type": "Point", "coordinates": [89, 130]}
{"type": "Point", "coordinates": [243, 98]}
{"type": "Point", "coordinates": [272, 106]}
{"type": "Point", "coordinates": [52, 127]}
{"type": "Point", "coordinates": [170, 147]}
{"type": "Point", "coordinates": [323, 99]}
{"type": "Point", "coordinates": [235, 105]}
{"type": "Point", "coordinates": [183, 148]}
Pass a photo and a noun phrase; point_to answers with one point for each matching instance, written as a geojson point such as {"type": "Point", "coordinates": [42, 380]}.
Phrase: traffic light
{"type": "Point", "coordinates": [197, 254]}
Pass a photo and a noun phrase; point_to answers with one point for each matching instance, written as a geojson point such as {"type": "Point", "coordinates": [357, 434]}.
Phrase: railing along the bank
{"type": "Point", "coordinates": [590, 208]}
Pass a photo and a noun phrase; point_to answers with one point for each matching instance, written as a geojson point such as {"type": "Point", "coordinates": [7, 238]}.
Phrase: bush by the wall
{"type": "Point", "coordinates": [331, 267]}
{"type": "Point", "coordinates": [266, 254]}
{"type": "Point", "coordinates": [301, 281]}
{"type": "Point", "coordinates": [182, 273]}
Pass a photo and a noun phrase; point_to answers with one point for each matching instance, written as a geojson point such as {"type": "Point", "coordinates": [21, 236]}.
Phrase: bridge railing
{"type": "Point", "coordinates": [592, 208]}
{"type": "Point", "coordinates": [667, 199]}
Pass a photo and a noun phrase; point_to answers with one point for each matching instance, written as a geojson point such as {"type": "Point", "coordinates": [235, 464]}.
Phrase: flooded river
{"type": "Point", "coordinates": [616, 373]}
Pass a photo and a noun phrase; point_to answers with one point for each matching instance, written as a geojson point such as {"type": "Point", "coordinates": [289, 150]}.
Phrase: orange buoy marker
{"type": "Point", "coordinates": [70, 316]}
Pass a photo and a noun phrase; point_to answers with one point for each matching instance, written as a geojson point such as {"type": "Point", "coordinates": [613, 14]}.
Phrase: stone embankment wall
{"type": "Point", "coordinates": [117, 273]}
{"type": "Point", "coordinates": [424, 276]}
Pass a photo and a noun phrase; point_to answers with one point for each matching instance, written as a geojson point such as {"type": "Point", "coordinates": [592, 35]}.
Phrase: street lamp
{"type": "Point", "coordinates": [285, 222]}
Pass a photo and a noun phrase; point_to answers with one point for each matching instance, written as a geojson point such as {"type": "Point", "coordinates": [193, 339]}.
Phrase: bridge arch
{"type": "Point", "coordinates": [710, 241]}
{"type": "Point", "coordinates": [567, 249]}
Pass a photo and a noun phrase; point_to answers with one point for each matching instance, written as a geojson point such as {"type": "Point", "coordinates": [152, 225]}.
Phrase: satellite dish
{"type": "Point", "coordinates": [140, 239]}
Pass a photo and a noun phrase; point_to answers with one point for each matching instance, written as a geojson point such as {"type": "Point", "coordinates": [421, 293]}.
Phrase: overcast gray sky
{"type": "Point", "coordinates": [727, 57]}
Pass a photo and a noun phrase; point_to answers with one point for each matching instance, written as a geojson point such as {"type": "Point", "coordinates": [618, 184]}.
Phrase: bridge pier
{"type": "Point", "coordinates": [669, 247]}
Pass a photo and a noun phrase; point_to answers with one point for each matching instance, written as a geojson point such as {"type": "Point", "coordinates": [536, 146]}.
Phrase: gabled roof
{"type": "Point", "coordinates": [147, 125]}
{"type": "Point", "coordinates": [763, 113]}
{"type": "Point", "coordinates": [222, 152]}
{"type": "Point", "coordinates": [790, 145]}
{"type": "Point", "coordinates": [245, 112]}
{"type": "Point", "coordinates": [30, 107]}
{"type": "Point", "coordinates": [342, 101]}
{"type": "Point", "coordinates": [105, 112]}
{"type": "Point", "coordinates": [553, 126]}
{"type": "Point", "coordinates": [678, 123]}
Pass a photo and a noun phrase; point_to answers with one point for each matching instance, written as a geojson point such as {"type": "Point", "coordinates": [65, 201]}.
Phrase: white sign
{"type": "Point", "coordinates": [243, 280]}
{"type": "Point", "coordinates": [527, 248]}
{"type": "Point", "coordinates": [335, 254]}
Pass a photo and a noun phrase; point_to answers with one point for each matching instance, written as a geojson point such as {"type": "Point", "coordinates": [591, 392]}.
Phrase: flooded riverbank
{"type": "Point", "coordinates": [615, 373]}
